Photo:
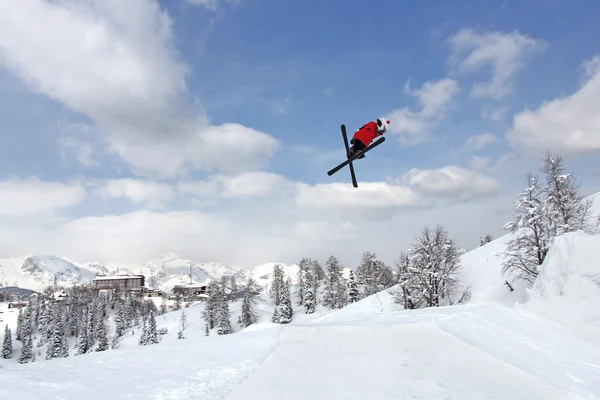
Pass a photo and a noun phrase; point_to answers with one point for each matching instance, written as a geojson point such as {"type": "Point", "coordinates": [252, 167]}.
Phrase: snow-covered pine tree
{"type": "Point", "coordinates": [18, 335]}
{"type": "Point", "coordinates": [310, 293]}
{"type": "Point", "coordinates": [566, 210]}
{"type": "Point", "coordinates": [90, 328]}
{"type": "Point", "coordinates": [303, 265]}
{"type": "Point", "coordinates": [152, 332]}
{"type": "Point", "coordinates": [101, 334]}
{"type": "Point", "coordinates": [144, 335]}
{"type": "Point", "coordinates": [7, 343]}
{"type": "Point", "coordinates": [182, 325]}
{"type": "Point", "coordinates": [283, 311]}
{"type": "Point", "coordinates": [526, 251]}
{"type": "Point", "coordinates": [55, 348]}
{"type": "Point", "coordinates": [248, 316]}
{"type": "Point", "coordinates": [366, 275]}
{"type": "Point", "coordinates": [353, 293]}
{"type": "Point", "coordinates": [26, 338]}
{"type": "Point", "coordinates": [318, 271]}
{"type": "Point", "coordinates": [234, 287]}
{"type": "Point", "coordinates": [276, 282]}
{"type": "Point", "coordinates": [333, 277]}
{"type": "Point", "coordinates": [210, 309]}
{"type": "Point", "coordinates": [223, 317]}
{"type": "Point", "coordinates": [73, 321]}
{"type": "Point", "coordinates": [27, 354]}
{"type": "Point", "coordinates": [435, 260]}
{"type": "Point", "coordinates": [120, 319]}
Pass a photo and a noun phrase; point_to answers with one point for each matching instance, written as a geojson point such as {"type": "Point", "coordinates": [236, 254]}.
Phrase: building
{"type": "Point", "coordinates": [120, 283]}
{"type": "Point", "coordinates": [189, 291]}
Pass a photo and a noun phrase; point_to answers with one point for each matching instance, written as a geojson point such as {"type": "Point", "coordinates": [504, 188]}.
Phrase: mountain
{"type": "Point", "coordinates": [35, 272]}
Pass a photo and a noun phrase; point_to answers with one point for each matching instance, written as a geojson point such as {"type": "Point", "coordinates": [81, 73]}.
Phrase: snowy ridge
{"type": "Point", "coordinates": [36, 272]}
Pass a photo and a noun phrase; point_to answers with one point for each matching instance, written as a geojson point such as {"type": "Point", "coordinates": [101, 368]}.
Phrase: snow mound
{"type": "Point", "coordinates": [567, 288]}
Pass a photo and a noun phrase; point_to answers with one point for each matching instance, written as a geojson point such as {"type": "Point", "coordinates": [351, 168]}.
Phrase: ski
{"type": "Point", "coordinates": [352, 174]}
{"type": "Point", "coordinates": [355, 156]}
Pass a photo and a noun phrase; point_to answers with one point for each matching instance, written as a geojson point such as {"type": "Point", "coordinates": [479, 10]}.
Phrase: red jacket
{"type": "Point", "coordinates": [367, 133]}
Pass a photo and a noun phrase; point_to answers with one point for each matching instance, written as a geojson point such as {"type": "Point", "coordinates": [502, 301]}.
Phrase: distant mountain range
{"type": "Point", "coordinates": [36, 272]}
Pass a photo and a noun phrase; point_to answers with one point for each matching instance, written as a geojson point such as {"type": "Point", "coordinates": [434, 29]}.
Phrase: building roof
{"type": "Point", "coordinates": [114, 277]}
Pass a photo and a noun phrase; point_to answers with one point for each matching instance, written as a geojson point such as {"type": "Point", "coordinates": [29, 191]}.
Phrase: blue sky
{"type": "Point", "coordinates": [112, 127]}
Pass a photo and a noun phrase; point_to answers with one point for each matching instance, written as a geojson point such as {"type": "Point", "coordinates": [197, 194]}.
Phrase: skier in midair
{"type": "Point", "coordinates": [365, 135]}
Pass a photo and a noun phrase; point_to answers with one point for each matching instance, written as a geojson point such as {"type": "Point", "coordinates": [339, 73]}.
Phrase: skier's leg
{"type": "Point", "coordinates": [357, 145]}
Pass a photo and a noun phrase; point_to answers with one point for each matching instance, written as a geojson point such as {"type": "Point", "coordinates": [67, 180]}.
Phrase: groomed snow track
{"type": "Point", "coordinates": [464, 352]}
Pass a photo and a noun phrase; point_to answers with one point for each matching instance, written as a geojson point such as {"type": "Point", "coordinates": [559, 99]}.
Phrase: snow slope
{"type": "Point", "coordinates": [464, 352]}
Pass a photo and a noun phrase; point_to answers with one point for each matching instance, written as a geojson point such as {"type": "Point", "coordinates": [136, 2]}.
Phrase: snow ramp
{"type": "Point", "coordinates": [466, 352]}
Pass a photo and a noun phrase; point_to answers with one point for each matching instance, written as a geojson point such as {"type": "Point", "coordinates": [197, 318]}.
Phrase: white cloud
{"type": "Point", "coordinates": [434, 97]}
{"type": "Point", "coordinates": [244, 185]}
{"type": "Point", "coordinates": [568, 125]}
{"type": "Point", "coordinates": [252, 184]}
{"type": "Point", "coordinates": [478, 142]}
{"type": "Point", "coordinates": [503, 53]}
{"type": "Point", "coordinates": [370, 199]}
{"type": "Point", "coordinates": [23, 197]}
{"type": "Point", "coordinates": [326, 230]}
{"type": "Point", "coordinates": [140, 191]}
{"type": "Point", "coordinates": [114, 62]}
{"type": "Point", "coordinates": [211, 4]}
{"type": "Point", "coordinates": [452, 182]}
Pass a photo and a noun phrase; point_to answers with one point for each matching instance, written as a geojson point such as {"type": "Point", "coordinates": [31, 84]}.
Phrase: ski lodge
{"type": "Point", "coordinates": [120, 283]}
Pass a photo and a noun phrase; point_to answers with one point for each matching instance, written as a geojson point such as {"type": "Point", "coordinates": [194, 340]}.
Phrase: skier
{"type": "Point", "coordinates": [365, 135]}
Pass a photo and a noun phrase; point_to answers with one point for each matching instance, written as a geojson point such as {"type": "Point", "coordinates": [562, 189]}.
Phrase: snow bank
{"type": "Point", "coordinates": [567, 289]}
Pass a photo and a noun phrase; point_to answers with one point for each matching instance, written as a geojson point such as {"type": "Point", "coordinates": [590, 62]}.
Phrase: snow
{"type": "Point", "coordinates": [36, 272]}
{"type": "Point", "coordinates": [538, 343]}
{"type": "Point", "coordinates": [567, 290]}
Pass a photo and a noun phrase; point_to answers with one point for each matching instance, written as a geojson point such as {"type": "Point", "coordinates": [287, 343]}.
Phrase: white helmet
{"type": "Point", "coordinates": [382, 125]}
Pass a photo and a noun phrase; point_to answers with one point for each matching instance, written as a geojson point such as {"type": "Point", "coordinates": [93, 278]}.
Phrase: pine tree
{"type": "Point", "coordinates": [55, 348]}
{"type": "Point", "coordinates": [206, 330]}
{"type": "Point", "coordinates": [366, 274]}
{"type": "Point", "coordinates": [19, 336]}
{"type": "Point", "coordinates": [152, 333]}
{"type": "Point", "coordinates": [303, 265]}
{"type": "Point", "coordinates": [234, 287]}
{"type": "Point", "coordinates": [223, 317]}
{"type": "Point", "coordinates": [309, 295]}
{"type": "Point", "coordinates": [283, 310]}
{"type": "Point", "coordinates": [120, 320]}
{"type": "Point", "coordinates": [353, 293]}
{"type": "Point", "coordinates": [248, 316]}
{"type": "Point", "coordinates": [182, 325]}
{"type": "Point", "coordinates": [7, 343]}
{"type": "Point", "coordinates": [210, 309]}
{"type": "Point", "coordinates": [333, 278]}
{"type": "Point", "coordinates": [144, 335]}
{"type": "Point", "coordinates": [27, 354]}
{"type": "Point", "coordinates": [101, 334]}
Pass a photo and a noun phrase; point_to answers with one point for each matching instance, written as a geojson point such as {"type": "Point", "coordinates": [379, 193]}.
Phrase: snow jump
{"type": "Point", "coordinates": [361, 143]}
